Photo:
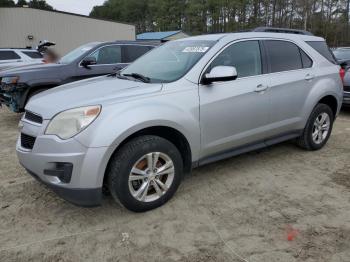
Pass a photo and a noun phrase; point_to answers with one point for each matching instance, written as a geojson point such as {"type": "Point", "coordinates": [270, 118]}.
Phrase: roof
{"type": "Point", "coordinates": [156, 35]}
{"type": "Point", "coordinates": [67, 13]}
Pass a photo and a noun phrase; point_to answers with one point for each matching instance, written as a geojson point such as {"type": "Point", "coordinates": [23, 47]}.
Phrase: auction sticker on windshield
{"type": "Point", "coordinates": [195, 49]}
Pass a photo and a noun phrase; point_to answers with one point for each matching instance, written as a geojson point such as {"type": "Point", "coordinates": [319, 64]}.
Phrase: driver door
{"type": "Point", "coordinates": [235, 114]}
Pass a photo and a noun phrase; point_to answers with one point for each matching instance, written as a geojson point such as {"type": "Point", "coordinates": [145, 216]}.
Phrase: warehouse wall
{"type": "Point", "coordinates": [67, 31]}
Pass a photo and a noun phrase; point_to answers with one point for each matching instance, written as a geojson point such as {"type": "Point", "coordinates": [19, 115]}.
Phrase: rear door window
{"type": "Point", "coordinates": [323, 49]}
{"type": "Point", "coordinates": [9, 55]}
{"type": "Point", "coordinates": [31, 54]}
{"type": "Point", "coordinates": [245, 56]}
{"type": "Point", "coordinates": [132, 52]}
{"type": "Point", "coordinates": [108, 55]}
{"type": "Point", "coordinates": [283, 56]}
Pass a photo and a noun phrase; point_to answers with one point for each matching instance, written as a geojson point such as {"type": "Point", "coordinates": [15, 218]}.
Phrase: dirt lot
{"type": "Point", "coordinates": [240, 209]}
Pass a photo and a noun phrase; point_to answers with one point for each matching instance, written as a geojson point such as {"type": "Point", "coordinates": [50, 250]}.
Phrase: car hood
{"type": "Point", "coordinates": [25, 69]}
{"type": "Point", "coordinates": [95, 91]}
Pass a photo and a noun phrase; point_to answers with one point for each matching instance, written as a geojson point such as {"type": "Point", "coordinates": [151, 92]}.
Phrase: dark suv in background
{"type": "Point", "coordinates": [342, 54]}
{"type": "Point", "coordinates": [18, 85]}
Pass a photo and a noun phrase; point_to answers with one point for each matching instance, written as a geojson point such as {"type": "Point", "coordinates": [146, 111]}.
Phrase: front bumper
{"type": "Point", "coordinates": [51, 158]}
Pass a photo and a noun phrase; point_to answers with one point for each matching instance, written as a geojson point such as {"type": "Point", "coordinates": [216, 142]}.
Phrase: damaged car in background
{"type": "Point", "coordinates": [18, 85]}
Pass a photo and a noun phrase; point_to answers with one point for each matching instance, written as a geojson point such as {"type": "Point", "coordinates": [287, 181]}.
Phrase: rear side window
{"type": "Point", "coordinates": [244, 56]}
{"type": "Point", "coordinates": [323, 49]}
{"type": "Point", "coordinates": [34, 55]}
{"type": "Point", "coordinates": [283, 56]}
{"type": "Point", "coordinates": [132, 52]}
{"type": "Point", "coordinates": [8, 55]}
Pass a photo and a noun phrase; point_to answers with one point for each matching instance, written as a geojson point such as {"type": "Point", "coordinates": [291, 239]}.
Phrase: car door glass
{"type": "Point", "coordinates": [306, 60]}
{"type": "Point", "coordinates": [8, 55]}
{"type": "Point", "coordinates": [244, 56]}
{"type": "Point", "coordinates": [283, 56]}
{"type": "Point", "coordinates": [132, 52]}
{"type": "Point", "coordinates": [108, 55]}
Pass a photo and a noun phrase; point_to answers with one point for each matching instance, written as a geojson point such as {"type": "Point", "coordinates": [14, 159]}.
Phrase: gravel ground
{"type": "Point", "coordinates": [241, 209]}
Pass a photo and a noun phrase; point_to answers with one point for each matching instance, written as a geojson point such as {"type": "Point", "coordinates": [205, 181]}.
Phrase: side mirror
{"type": "Point", "coordinates": [345, 65]}
{"type": "Point", "coordinates": [220, 73]}
{"type": "Point", "coordinates": [88, 61]}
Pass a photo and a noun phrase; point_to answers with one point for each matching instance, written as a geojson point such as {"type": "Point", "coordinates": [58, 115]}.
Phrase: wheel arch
{"type": "Point", "coordinates": [170, 133]}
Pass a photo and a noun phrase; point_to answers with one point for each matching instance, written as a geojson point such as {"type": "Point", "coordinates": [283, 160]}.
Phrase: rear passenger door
{"type": "Point", "coordinates": [290, 79]}
{"type": "Point", "coordinates": [9, 56]}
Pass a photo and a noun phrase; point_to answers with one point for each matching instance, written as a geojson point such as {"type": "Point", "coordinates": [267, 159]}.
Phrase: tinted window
{"type": "Point", "coordinates": [76, 53]}
{"type": "Point", "coordinates": [108, 55]}
{"type": "Point", "coordinates": [283, 56]}
{"type": "Point", "coordinates": [132, 52]}
{"type": "Point", "coordinates": [34, 55]}
{"type": "Point", "coordinates": [306, 60]}
{"type": "Point", "coordinates": [245, 56]}
{"type": "Point", "coordinates": [322, 48]}
{"type": "Point", "coordinates": [8, 55]}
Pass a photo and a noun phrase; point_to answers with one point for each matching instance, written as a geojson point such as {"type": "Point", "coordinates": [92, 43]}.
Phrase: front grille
{"type": "Point", "coordinates": [33, 117]}
{"type": "Point", "coordinates": [27, 141]}
{"type": "Point", "coordinates": [347, 88]}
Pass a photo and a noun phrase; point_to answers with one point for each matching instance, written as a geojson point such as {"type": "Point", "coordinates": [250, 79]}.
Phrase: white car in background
{"type": "Point", "coordinates": [10, 57]}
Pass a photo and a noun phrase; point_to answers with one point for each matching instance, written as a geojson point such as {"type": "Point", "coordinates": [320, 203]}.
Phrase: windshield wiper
{"type": "Point", "coordinates": [117, 74]}
{"type": "Point", "coordinates": [143, 78]}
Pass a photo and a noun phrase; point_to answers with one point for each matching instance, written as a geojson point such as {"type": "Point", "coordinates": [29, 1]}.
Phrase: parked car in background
{"type": "Point", "coordinates": [342, 54]}
{"type": "Point", "coordinates": [184, 104]}
{"type": "Point", "coordinates": [18, 85]}
{"type": "Point", "coordinates": [10, 57]}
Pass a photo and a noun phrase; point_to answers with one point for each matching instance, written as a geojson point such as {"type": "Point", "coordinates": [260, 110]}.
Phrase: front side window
{"type": "Point", "coordinates": [8, 55]}
{"type": "Point", "coordinates": [108, 55]}
{"type": "Point", "coordinates": [244, 56]}
{"type": "Point", "coordinates": [76, 53]}
{"type": "Point", "coordinates": [283, 56]}
{"type": "Point", "coordinates": [170, 61]}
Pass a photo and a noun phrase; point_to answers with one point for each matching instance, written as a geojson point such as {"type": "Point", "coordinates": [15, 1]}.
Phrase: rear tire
{"type": "Point", "coordinates": [318, 128]}
{"type": "Point", "coordinates": [157, 173]}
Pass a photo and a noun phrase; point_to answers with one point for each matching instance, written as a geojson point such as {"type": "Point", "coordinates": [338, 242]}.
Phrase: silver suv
{"type": "Point", "coordinates": [185, 104]}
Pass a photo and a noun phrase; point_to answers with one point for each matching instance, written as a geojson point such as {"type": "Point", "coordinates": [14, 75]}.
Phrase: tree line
{"type": "Point", "coordinates": [326, 18]}
{"type": "Point", "coordinates": [39, 4]}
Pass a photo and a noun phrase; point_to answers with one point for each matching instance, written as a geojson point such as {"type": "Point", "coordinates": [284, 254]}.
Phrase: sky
{"type": "Point", "coordinates": [83, 7]}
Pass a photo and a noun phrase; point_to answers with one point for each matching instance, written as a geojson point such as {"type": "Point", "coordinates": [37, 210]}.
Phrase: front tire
{"type": "Point", "coordinates": [145, 173]}
{"type": "Point", "coordinates": [318, 128]}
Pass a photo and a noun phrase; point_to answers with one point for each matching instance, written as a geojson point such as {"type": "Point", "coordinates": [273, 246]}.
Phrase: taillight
{"type": "Point", "coordinates": [342, 74]}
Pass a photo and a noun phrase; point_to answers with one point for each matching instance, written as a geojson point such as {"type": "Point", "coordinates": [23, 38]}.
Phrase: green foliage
{"type": "Point", "coordinates": [7, 3]}
{"type": "Point", "coordinates": [40, 4]}
{"type": "Point", "coordinates": [327, 18]}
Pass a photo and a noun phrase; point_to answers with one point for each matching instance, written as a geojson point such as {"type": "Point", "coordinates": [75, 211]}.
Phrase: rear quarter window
{"type": "Point", "coordinates": [9, 55]}
{"type": "Point", "coordinates": [322, 48]}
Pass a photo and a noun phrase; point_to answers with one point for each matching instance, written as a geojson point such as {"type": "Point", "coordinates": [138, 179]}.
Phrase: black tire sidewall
{"type": "Point", "coordinates": [319, 109]}
{"type": "Point", "coordinates": [124, 160]}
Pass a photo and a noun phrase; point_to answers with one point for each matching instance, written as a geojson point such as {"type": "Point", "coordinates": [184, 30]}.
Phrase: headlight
{"type": "Point", "coordinates": [10, 80]}
{"type": "Point", "coordinates": [71, 122]}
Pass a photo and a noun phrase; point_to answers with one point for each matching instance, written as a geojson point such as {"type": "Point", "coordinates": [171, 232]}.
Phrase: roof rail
{"type": "Point", "coordinates": [282, 30]}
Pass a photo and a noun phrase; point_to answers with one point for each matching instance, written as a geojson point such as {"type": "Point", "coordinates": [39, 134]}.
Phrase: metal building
{"type": "Point", "coordinates": [24, 27]}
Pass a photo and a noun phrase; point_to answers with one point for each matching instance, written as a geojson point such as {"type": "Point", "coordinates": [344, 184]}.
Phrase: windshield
{"type": "Point", "coordinates": [71, 56]}
{"type": "Point", "coordinates": [169, 62]}
{"type": "Point", "coordinates": [342, 54]}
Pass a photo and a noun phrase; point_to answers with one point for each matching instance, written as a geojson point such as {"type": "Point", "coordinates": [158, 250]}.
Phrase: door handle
{"type": "Point", "coordinates": [309, 77]}
{"type": "Point", "coordinates": [261, 88]}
